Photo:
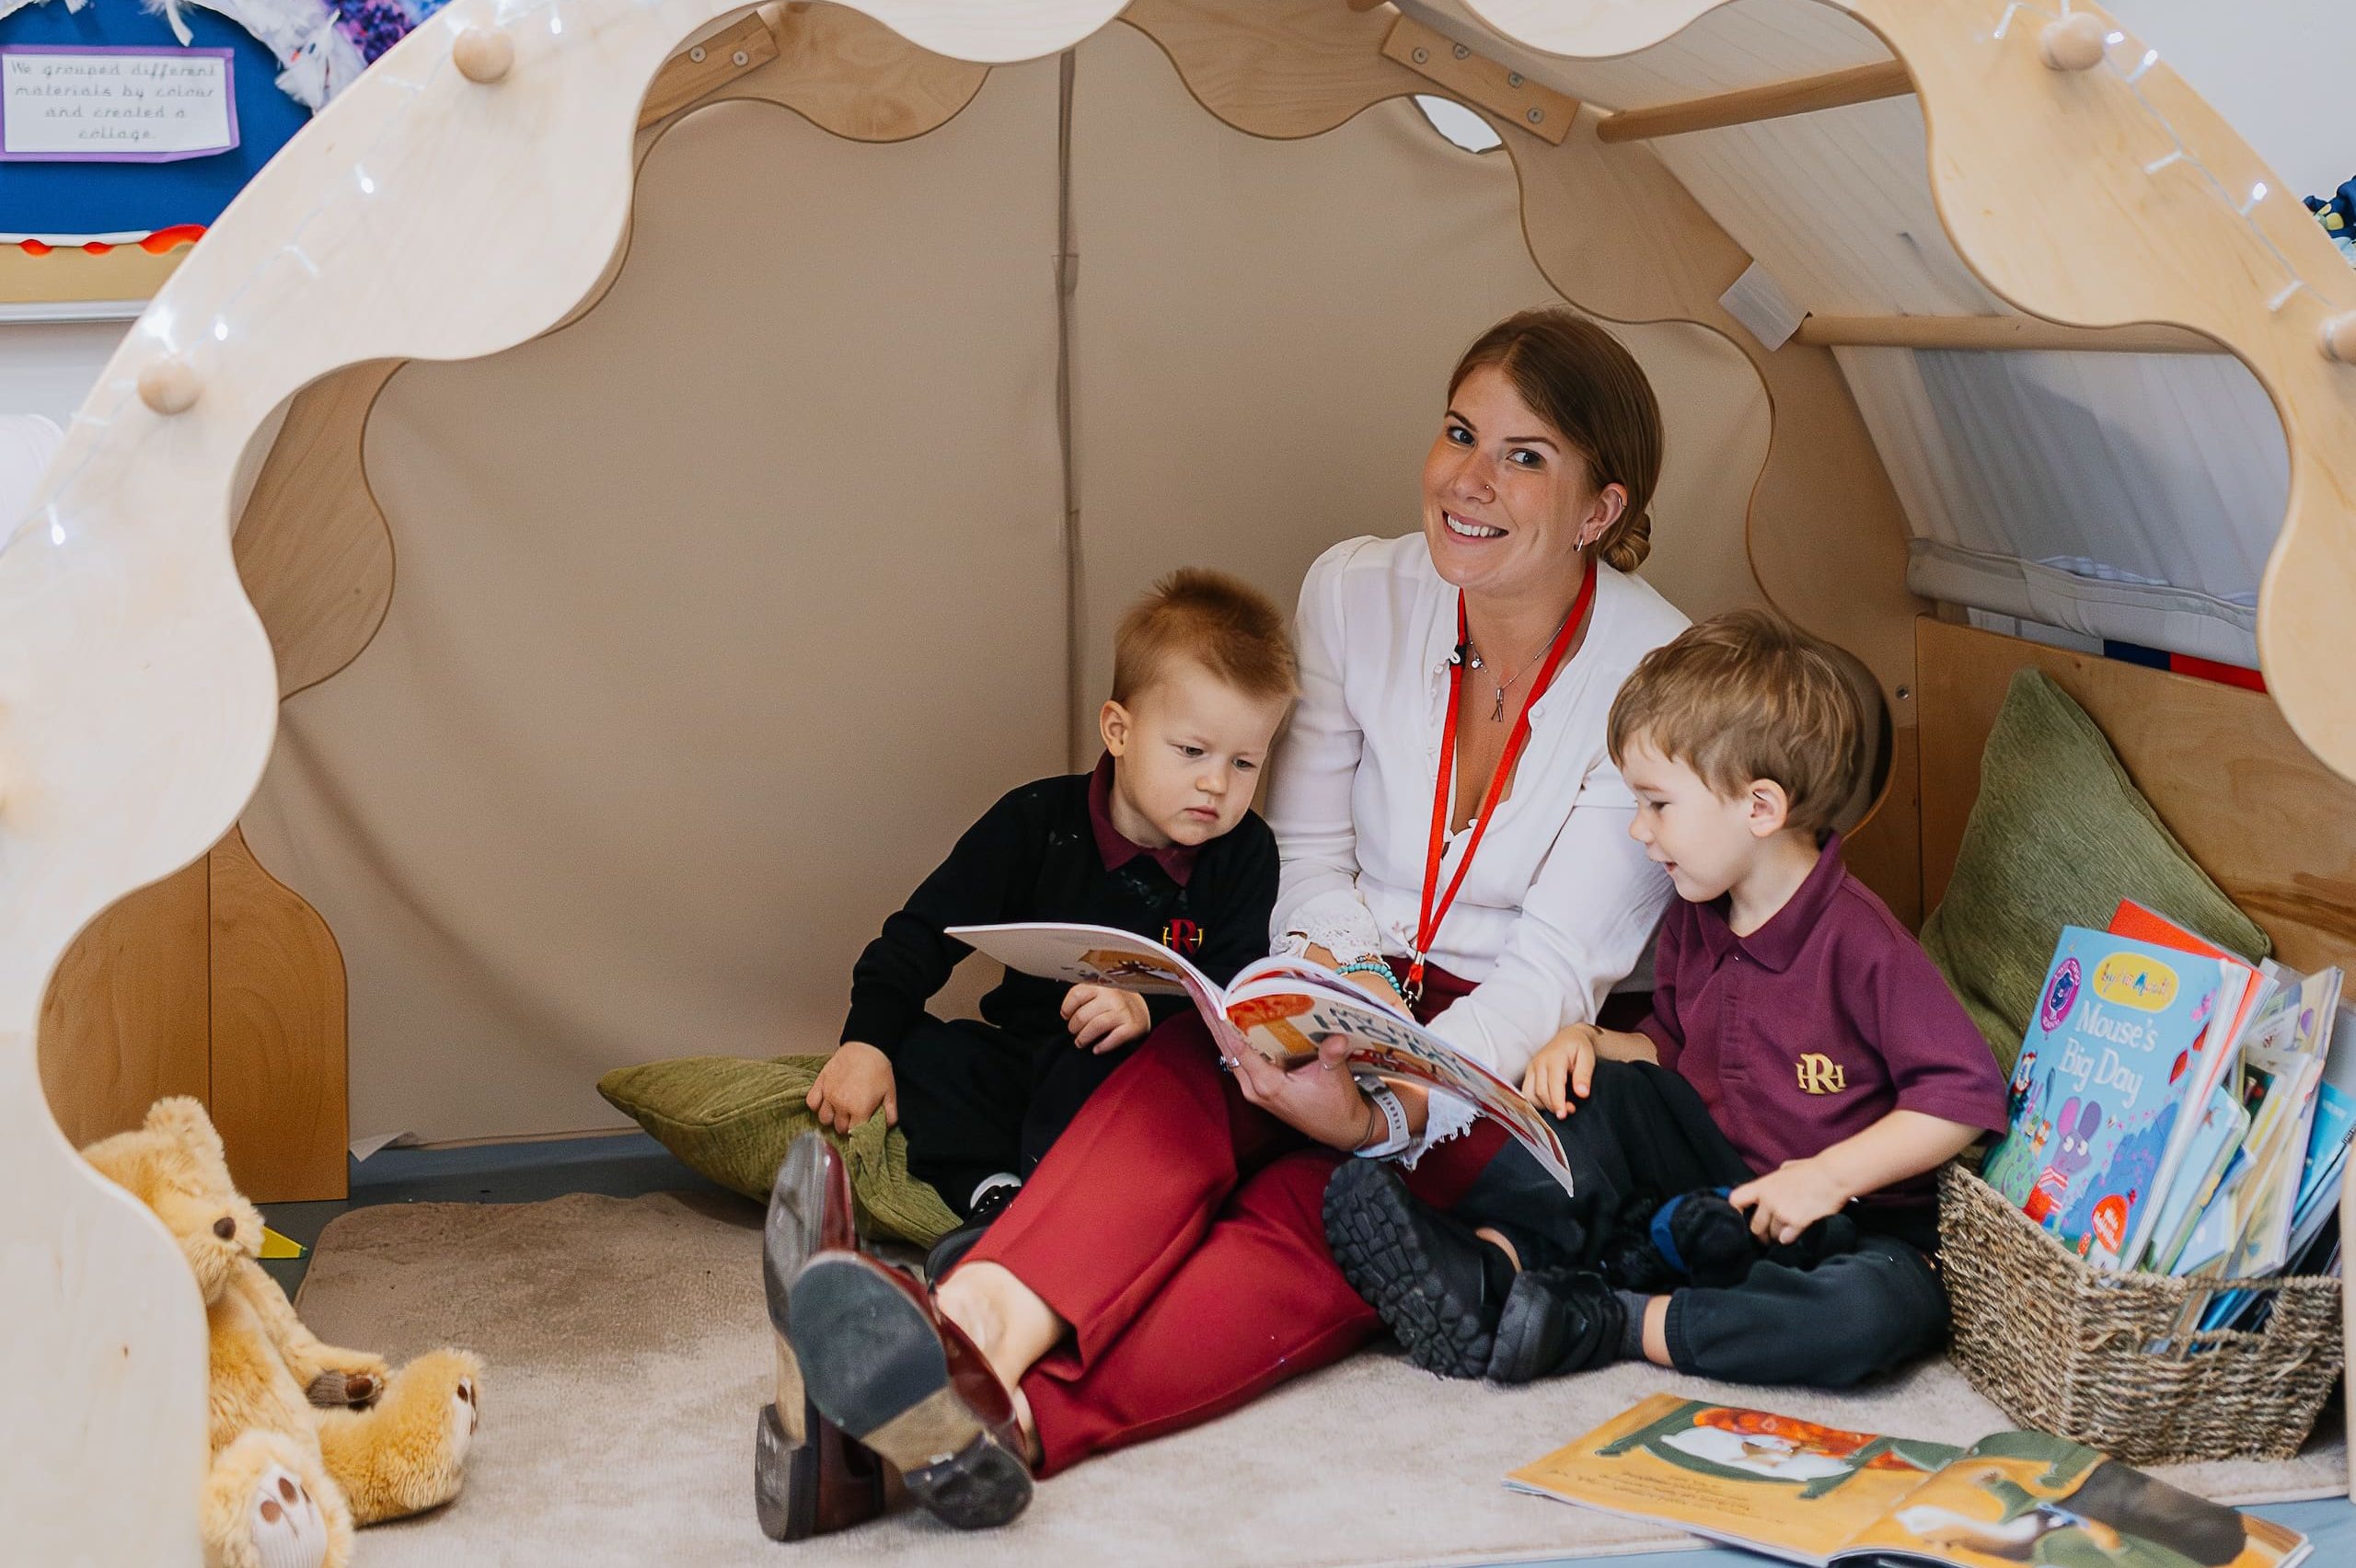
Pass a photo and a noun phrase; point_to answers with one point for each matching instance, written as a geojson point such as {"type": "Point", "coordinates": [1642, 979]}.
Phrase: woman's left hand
{"type": "Point", "coordinates": [1320, 1098]}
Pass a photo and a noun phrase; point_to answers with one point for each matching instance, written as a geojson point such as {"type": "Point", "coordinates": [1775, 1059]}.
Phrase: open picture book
{"type": "Point", "coordinates": [1283, 1007]}
{"type": "Point", "coordinates": [1815, 1494]}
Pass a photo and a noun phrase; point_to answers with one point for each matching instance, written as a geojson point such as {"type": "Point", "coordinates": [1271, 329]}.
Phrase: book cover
{"type": "Point", "coordinates": [2120, 1045]}
{"type": "Point", "coordinates": [1818, 1494]}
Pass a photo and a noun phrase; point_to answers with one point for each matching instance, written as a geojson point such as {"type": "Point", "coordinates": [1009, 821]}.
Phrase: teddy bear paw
{"type": "Point", "coordinates": [465, 1417]}
{"type": "Point", "coordinates": [357, 1389]}
{"type": "Point", "coordinates": [288, 1529]}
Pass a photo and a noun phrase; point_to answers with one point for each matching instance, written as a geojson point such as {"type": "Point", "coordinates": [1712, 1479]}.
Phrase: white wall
{"type": "Point", "coordinates": [2277, 69]}
{"type": "Point", "coordinates": [49, 368]}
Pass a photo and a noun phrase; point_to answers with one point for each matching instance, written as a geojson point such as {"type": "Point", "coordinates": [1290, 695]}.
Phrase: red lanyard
{"type": "Point", "coordinates": [1432, 914]}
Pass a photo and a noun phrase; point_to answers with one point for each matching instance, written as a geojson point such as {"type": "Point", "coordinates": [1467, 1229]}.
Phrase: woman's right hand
{"type": "Point", "coordinates": [855, 1080]}
{"type": "Point", "coordinates": [1319, 1099]}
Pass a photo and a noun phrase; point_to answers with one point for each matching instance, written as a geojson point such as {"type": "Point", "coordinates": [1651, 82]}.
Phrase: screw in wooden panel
{"type": "Point", "coordinates": [1423, 56]}
{"type": "Point", "coordinates": [483, 55]}
{"type": "Point", "coordinates": [169, 384]}
{"type": "Point", "coordinates": [696, 54]}
{"type": "Point", "coordinates": [740, 60]}
{"type": "Point", "coordinates": [1463, 53]}
{"type": "Point", "coordinates": [1513, 79]}
{"type": "Point", "coordinates": [2075, 42]}
{"type": "Point", "coordinates": [2339, 338]}
{"type": "Point", "coordinates": [1905, 692]}
{"type": "Point", "coordinates": [1538, 117]}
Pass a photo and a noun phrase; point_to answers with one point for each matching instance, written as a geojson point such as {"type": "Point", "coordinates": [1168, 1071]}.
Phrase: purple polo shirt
{"type": "Point", "coordinates": [1816, 1025]}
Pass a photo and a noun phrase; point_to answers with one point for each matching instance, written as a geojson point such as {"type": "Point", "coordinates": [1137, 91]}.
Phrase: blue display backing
{"type": "Point", "coordinates": [102, 197]}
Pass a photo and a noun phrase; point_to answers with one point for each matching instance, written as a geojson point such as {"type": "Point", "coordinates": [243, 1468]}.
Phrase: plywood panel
{"type": "Point", "coordinates": [852, 75]}
{"type": "Point", "coordinates": [2041, 176]}
{"type": "Point", "coordinates": [2262, 815]}
{"type": "Point", "coordinates": [124, 1021]}
{"type": "Point", "coordinates": [278, 1035]}
{"type": "Point", "coordinates": [1882, 851]}
{"type": "Point", "coordinates": [313, 550]}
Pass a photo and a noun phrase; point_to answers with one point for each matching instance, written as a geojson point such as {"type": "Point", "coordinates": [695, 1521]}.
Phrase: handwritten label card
{"type": "Point", "coordinates": [62, 104]}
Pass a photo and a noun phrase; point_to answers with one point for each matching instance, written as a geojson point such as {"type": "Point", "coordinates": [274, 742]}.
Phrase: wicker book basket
{"type": "Point", "coordinates": [2062, 1345]}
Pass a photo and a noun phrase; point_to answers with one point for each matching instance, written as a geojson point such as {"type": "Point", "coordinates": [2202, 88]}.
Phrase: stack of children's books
{"type": "Point", "coordinates": [2176, 1109]}
{"type": "Point", "coordinates": [1817, 1495]}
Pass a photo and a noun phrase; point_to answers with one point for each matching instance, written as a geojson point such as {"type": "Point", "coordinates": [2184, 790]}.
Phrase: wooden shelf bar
{"type": "Point", "coordinates": [1804, 94]}
{"type": "Point", "coordinates": [1997, 332]}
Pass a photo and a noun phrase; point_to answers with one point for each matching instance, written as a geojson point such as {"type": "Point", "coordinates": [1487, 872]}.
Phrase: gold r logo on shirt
{"type": "Point", "coordinates": [1822, 1075]}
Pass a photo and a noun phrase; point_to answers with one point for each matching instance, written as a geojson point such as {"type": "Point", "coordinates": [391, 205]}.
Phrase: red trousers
{"type": "Point", "coordinates": [1180, 1230]}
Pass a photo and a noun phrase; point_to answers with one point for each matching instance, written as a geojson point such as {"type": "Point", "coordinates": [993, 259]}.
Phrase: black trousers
{"type": "Point", "coordinates": [975, 1100]}
{"type": "Point", "coordinates": [1643, 1136]}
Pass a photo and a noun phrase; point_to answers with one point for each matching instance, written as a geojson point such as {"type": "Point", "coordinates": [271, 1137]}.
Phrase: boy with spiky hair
{"type": "Point", "coordinates": [1159, 839]}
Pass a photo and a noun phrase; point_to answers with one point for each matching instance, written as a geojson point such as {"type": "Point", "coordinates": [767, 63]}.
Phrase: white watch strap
{"type": "Point", "coordinates": [1394, 1116]}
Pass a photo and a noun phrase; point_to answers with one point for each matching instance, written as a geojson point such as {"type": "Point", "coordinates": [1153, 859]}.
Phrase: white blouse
{"type": "Point", "coordinates": [1560, 904]}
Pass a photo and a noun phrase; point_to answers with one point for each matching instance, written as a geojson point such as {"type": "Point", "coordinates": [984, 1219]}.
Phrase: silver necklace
{"type": "Point", "coordinates": [1473, 657]}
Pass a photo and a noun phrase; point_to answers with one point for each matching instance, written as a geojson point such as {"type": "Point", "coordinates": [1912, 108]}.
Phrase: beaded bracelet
{"type": "Point", "coordinates": [1372, 966]}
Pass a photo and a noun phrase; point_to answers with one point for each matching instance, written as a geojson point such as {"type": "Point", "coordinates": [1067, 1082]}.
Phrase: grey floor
{"type": "Point", "coordinates": [629, 1165]}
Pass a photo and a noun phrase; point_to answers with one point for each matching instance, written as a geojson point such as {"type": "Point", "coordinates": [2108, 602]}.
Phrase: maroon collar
{"type": "Point", "coordinates": [1779, 941]}
{"type": "Point", "coordinates": [1116, 846]}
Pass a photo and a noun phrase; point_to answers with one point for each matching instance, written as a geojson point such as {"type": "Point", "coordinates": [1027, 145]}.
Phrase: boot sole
{"type": "Point", "coordinates": [788, 1240]}
{"type": "Point", "coordinates": [1376, 1239]}
{"type": "Point", "coordinates": [884, 1380]}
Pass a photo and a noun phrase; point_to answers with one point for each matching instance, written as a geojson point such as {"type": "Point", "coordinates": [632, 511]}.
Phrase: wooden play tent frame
{"type": "Point", "coordinates": [145, 656]}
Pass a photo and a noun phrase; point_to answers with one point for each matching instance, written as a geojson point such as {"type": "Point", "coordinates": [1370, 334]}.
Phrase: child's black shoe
{"type": "Point", "coordinates": [1558, 1320]}
{"type": "Point", "coordinates": [950, 1250]}
{"type": "Point", "coordinates": [1438, 1286]}
{"type": "Point", "coordinates": [1707, 1240]}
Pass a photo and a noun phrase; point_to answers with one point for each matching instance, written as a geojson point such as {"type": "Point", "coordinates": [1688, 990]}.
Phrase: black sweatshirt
{"type": "Point", "coordinates": [1035, 856]}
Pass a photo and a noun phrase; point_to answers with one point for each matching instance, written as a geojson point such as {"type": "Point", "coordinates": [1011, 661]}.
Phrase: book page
{"type": "Point", "coordinates": [1775, 1483]}
{"type": "Point", "coordinates": [2032, 1497]}
{"type": "Point", "coordinates": [1286, 1021]}
{"type": "Point", "coordinates": [1101, 955]}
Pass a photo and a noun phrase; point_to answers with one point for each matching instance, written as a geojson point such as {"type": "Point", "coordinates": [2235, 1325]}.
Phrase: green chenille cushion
{"type": "Point", "coordinates": [730, 1118]}
{"type": "Point", "coordinates": [2057, 838]}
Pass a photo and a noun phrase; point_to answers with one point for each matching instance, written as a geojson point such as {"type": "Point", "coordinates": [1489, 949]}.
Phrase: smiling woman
{"type": "Point", "coordinates": [1098, 1296]}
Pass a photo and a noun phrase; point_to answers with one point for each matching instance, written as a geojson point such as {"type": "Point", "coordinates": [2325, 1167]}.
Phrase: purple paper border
{"type": "Point", "coordinates": [228, 75]}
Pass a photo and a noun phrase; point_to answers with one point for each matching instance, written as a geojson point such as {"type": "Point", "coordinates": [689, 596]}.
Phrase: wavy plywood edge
{"type": "Point", "coordinates": [313, 545]}
{"type": "Point", "coordinates": [1590, 29]}
{"type": "Point", "coordinates": [278, 1031]}
{"type": "Point", "coordinates": [137, 686]}
{"type": "Point", "coordinates": [2041, 179]}
{"type": "Point", "coordinates": [998, 33]}
{"type": "Point", "coordinates": [313, 548]}
{"type": "Point", "coordinates": [853, 77]}
{"type": "Point", "coordinates": [1277, 69]}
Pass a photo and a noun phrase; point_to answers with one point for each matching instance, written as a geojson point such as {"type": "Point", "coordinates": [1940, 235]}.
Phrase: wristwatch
{"type": "Point", "coordinates": [1394, 1116]}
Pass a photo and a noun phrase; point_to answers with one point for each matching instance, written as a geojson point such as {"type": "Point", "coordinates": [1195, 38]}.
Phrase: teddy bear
{"type": "Point", "coordinates": [307, 1439]}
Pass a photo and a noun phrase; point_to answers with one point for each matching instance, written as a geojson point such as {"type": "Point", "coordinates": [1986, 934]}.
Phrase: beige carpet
{"type": "Point", "coordinates": [628, 1354]}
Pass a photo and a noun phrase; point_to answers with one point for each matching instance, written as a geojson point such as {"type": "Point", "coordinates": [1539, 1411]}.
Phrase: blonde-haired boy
{"type": "Point", "coordinates": [1772, 1129]}
{"type": "Point", "coordinates": [1159, 839]}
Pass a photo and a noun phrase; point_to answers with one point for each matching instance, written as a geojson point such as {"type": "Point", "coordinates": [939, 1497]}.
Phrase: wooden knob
{"type": "Point", "coordinates": [2338, 337]}
{"type": "Point", "coordinates": [483, 55]}
{"type": "Point", "coordinates": [169, 384]}
{"type": "Point", "coordinates": [2075, 42]}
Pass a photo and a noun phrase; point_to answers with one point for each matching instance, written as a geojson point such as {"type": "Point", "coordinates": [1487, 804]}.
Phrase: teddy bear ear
{"type": "Point", "coordinates": [183, 1119]}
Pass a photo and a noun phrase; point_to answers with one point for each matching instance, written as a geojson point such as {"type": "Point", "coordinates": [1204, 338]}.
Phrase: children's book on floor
{"type": "Point", "coordinates": [1816, 1494]}
{"type": "Point", "coordinates": [2178, 1110]}
{"type": "Point", "coordinates": [1283, 1008]}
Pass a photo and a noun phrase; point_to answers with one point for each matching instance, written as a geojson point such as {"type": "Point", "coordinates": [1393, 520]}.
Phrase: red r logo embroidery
{"type": "Point", "coordinates": [1182, 936]}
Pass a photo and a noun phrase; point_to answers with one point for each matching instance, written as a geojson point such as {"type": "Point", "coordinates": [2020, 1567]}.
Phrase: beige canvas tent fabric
{"type": "Point", "coordinates": [721, 612]}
